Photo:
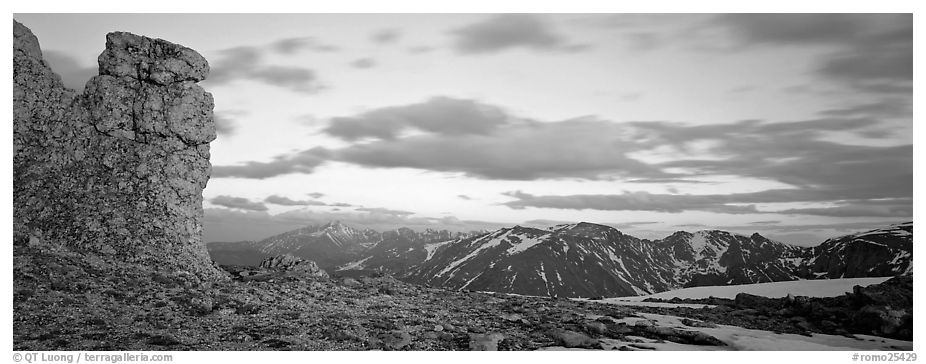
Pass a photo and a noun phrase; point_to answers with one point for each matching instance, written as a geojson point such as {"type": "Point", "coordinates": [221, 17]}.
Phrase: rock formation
{"type": "Point", "coordinates": [119, 169]}
{"type": "Point", "coordinates": [287, 262]}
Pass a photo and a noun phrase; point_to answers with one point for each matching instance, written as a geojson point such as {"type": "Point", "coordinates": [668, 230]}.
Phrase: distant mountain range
{"type": "Point", "coordinates": [581, 260]}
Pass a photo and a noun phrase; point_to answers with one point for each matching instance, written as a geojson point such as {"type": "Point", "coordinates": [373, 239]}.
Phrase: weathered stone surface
{"type": "Point", "coordinates": [119, 169]}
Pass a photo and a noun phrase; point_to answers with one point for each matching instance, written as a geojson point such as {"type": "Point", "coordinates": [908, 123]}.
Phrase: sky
{"type": "Point", "coordinates": [796, 126]}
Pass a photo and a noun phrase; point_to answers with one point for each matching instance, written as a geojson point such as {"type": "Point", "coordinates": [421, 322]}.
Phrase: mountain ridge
{"type": "Point", "coordinates": [587, 260]}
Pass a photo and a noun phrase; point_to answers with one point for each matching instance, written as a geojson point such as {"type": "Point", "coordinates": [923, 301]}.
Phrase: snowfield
{"type": "Point", "coordinates": [738, 338]}
{"type": "Point", "coordinates": [810, 288]}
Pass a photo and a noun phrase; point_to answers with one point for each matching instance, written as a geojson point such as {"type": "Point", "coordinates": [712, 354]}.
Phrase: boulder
{"type": "Point", "coordinates": [294, 265]}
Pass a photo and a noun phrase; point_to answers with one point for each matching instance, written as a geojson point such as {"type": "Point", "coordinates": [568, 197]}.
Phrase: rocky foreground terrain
{"type": "Point", "coordinates": [67, 300]}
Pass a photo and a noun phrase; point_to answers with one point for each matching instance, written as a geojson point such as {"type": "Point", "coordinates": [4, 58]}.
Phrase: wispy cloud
{"type": "Point", "coordinates": [363, 63]}
{"type": "Point", "coordinates": [286, 201]}
{"type": "Point", "coordinates": [291, 46]}
{"type": "Point", "coordinates": [302, 162]}
{"type": "Point", "coordinates": [484, 141]}
{"type": "Point", "coordinates": [225, 124]}
{"type": "Point", "coordinates": [384, 36]}
{"type": "Point", "coordinates": [440, 115]}
{"type": "Point", "coordinates": [245, 63]}
{"type": "Point", "coordinates": [872, 52]}
{"type": "Point", "coordinates": [510, 31]}
{"type": "Point", "coordinates": [237, 203]}
{"type": "Point", "coordinates": [385, 211]}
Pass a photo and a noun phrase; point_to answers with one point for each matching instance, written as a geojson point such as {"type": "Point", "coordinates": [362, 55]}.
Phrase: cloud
{"type": "Point", "coordinates": [795, 28]}
{"type": "Point", "coordinates": [385, 211]}
{"type": "Point", "coordinates": [315, 194]}
{"type": "Point", "coordinates": [234, 63]}
{"type": "Point", "coordinates": [508, 31]}
{"type": "Point", "coordinates": [286, 201]}
{"type": "Point", "coordinates": [632, 224]}
{"type": "Point", "coordinates": [666, 180]}
{"type": "Point", "coordinates": [889, 107]}
{"type": "Point", "coordinates": [900, 208]}
{"type": "Point", "coordinates": [245, 63]}
{"type": "Point", "coordinates": [302, 162]}
{"type": "Point", "coordinates": [519, 151]}
{"type": "Point", "coordinates": [793, 153]}
{"type": "Point", "coordinates": [441, 115]}
{"type": "Point", "coordinates": [291, 46]}
{"type": "Point", "coordinates": [73, 74]}
{"type": "Point", "coordinates": [483, 141]}
{"type": "Point", "coordinates": [386, 36]}
{"type": "Point", "coordinates": [225, 121]}
{"type": "Point", "coordinates": [294, 78]}
{"type": "Point", "coordinates": [630, 201]}
{"type": "Point", "coordinates": [645, 32]}
{"type": "Point", "coordinates": [690, 225]}
{"type": "Point", "coordinates": [872, 51]}
{"type": "Point", "coordinates": [465, 197]}
{"type": "Point", "coordinates": [237, 203]}
{"type": "Point", "coordinates": [851, 227]}
{"type": "Point", "coordinates": [736, 203]}
{"type": "Point", "coordinates": [363, 63]}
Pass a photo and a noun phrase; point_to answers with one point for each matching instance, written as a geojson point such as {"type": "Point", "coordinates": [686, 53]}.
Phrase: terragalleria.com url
{"type": "Point", "coordinates": [38, 357]}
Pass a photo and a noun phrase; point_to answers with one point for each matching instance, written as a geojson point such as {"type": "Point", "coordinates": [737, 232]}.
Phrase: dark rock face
{"type": "Point", "coordinates": [119, 169]}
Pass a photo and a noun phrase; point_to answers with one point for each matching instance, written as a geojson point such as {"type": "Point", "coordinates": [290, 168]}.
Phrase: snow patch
{"type": "Point", "coordinates": [431, 248]}
{"type": "Point", "coordinates": [355, 265]}
{"type": "Point", "coordinates": [738, 338]}
{"type": "Point", "coordinates": [698, 241]}
{"type": "Point", "coordinates": [526, 243]}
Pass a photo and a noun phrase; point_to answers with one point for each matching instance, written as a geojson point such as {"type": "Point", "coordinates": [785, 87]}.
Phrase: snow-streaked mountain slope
{"type": "Point", "coordinates": [568, 260]}
{"type": "Point", "coordinates": [879, 252]}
